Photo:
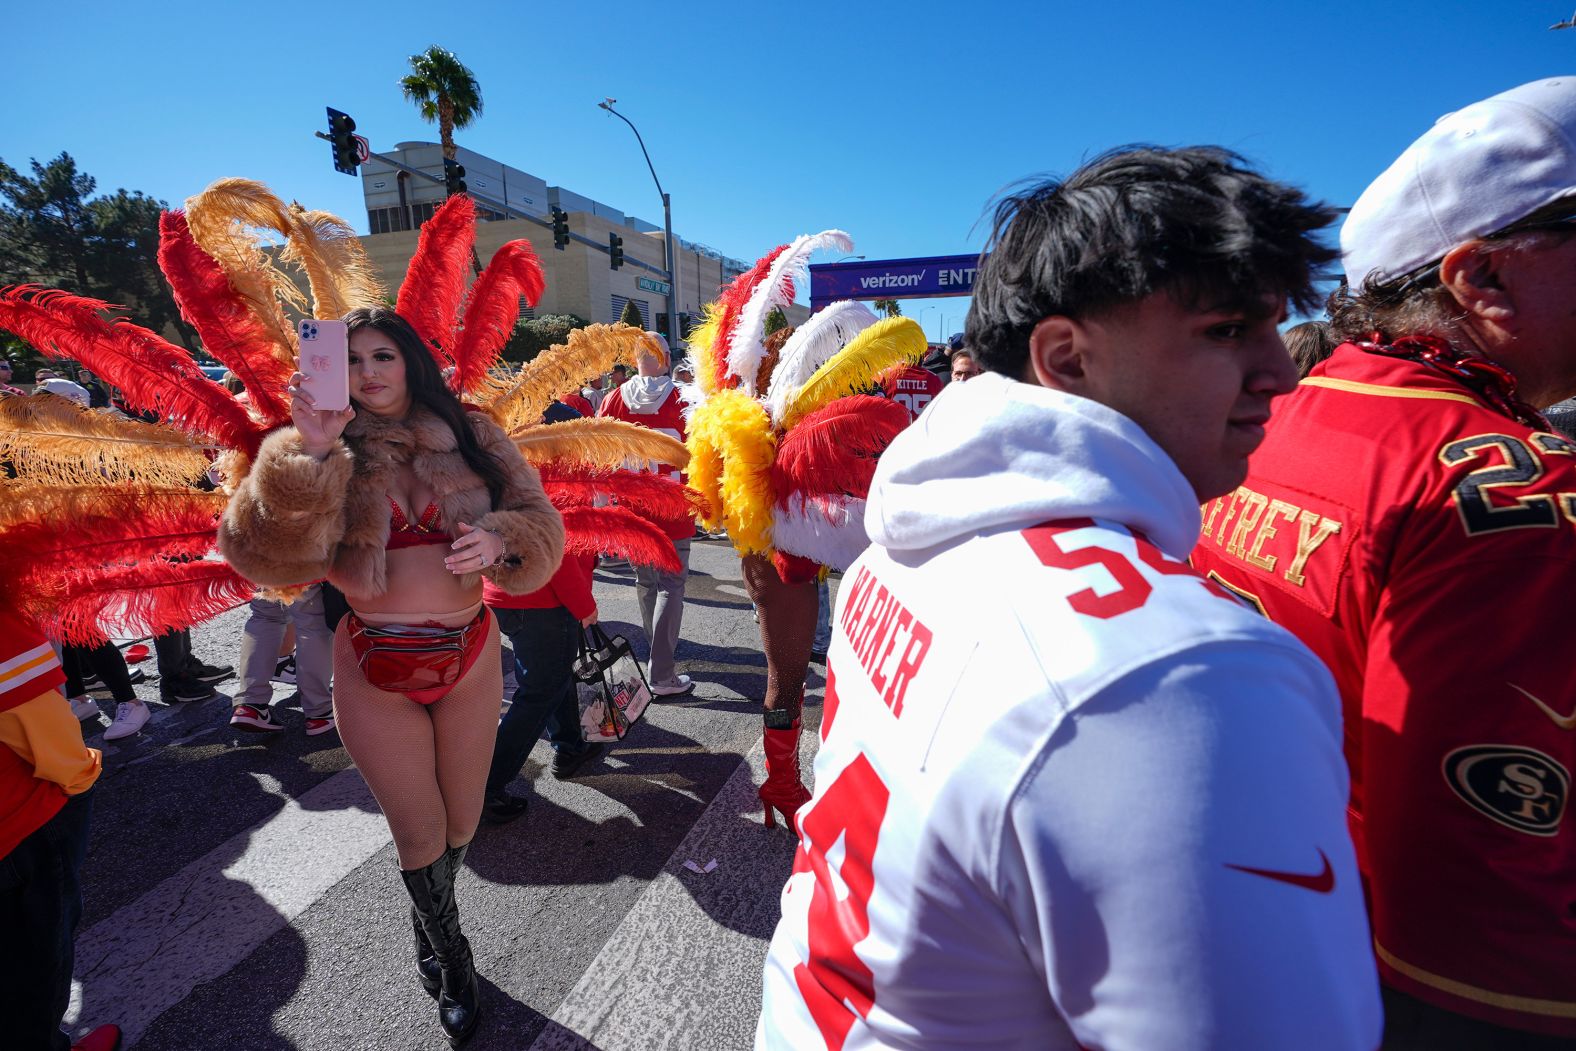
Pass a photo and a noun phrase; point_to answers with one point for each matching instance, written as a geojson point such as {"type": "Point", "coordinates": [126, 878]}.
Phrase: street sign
{"type": "Point", "coordinates": [363, 148]}
{"type": "Point", "coordinates": [661, 288]}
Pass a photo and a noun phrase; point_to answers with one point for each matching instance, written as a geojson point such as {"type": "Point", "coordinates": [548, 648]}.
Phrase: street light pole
{"type": "Point", "coordinates": [667, 228]}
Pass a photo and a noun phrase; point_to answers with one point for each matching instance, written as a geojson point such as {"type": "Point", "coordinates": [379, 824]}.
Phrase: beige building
{"type": "Point", "coordinates": [579, 278]}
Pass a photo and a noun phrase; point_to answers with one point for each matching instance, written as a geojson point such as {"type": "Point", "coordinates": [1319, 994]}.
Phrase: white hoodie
{"type": "Point", "coordinates": [1069, 793]}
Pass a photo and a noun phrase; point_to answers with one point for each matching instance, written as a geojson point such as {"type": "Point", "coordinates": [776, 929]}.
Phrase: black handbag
{"type": "Point", "coordinates": [608, 666]}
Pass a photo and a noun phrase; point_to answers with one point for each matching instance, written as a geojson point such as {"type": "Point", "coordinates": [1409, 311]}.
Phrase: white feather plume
{"type": "Point", "coordinates": [744, 348]}
{"type": "Point", "coordinates": [811, 345]}
{"type": "Point", "coordinates": [690, 397]}
{"type": "Point", "coordinates": [827, 529]}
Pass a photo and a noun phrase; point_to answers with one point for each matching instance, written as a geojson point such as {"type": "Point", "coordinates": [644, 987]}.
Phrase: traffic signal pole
{"type": "Point", "coordinates": [509, 212]}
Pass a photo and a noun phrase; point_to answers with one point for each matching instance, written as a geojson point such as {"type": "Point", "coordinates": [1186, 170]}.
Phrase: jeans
{"type": "Point", "coordinates": [823, 618]}
{"type": "Point", "coordinates": [265, 628]}
{"type": "Point", "coordinates": [40, 904]}
{"type": "Point", "coordinates": [661, 598]}
{"type": "Point", "coordinates": [545, 642]}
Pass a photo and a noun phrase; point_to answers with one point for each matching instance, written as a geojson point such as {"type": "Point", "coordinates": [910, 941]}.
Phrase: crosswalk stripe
{"type": "Point", "coordinates": [202, 921]}
{"type": "Point", "coordinates": [682, 949]}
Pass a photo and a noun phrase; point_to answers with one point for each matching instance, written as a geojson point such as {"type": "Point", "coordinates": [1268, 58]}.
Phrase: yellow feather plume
{"type": "Point", "coordinates": [731, 436]}
{"type": "Point", "coordinates": [224, 219]}
{"type": "Point", "coordinates": [599, 443]}
{"type": "Point", "coordinates": [564, 369]}
{"type": "Point", "coordinates": [703, 349]}
{"type": "Point", "coordinates": [53, 504]}
{"type": "Point", "coordinates": [336, 265]}
{"type": "Point", "coordinates": [55, 441]}
{"type": "Point", "coordinates": [890, 341]}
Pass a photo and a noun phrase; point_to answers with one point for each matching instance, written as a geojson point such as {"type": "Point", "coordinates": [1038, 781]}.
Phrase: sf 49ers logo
{"type": "Point", "coordinates": [1518, 787]}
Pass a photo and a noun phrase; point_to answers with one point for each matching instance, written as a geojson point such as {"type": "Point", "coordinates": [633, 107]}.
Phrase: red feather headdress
{"type": "Point", "coordinates": [434, 285]}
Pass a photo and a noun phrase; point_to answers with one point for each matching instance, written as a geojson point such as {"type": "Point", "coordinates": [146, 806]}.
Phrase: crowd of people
{"type": "Point", "coordinates": [1237, 752]}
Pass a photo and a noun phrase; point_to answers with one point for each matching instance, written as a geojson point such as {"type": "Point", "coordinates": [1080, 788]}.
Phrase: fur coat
{"type": "Point", "coordinates": [296, 519]}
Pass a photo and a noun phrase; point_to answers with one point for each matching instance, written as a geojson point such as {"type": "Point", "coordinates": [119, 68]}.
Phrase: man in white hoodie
{"type": "Point", "coordinates": [1069, 793]}
{"type": "Point", "coordinates": [649, 399]}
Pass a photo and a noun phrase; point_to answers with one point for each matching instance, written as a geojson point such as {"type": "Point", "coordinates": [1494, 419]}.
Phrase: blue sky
{"type": "Point", "coordinates": [894, 121]}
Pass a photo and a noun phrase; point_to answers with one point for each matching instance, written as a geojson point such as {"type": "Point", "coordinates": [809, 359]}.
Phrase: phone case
{"type": "Point", "coordinates": [325, 362]}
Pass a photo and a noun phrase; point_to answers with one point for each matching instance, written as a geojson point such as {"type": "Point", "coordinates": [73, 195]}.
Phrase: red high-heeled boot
{"type": "Point", "coordinates": [784, 789]}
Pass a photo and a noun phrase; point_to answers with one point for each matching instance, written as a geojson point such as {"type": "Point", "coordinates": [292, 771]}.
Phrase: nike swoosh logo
{"type": "Point", "coordinates": [1564, 722]}
{"type": "Point", "coordinates": [1322, 883]}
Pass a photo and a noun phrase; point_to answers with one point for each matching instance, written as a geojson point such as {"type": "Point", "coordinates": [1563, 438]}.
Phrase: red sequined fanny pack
{"type": "Point", "coordinates": [424, 662]}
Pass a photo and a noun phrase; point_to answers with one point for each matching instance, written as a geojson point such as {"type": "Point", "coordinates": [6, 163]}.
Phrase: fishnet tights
{"type": "Point", "coordinates": [426, 764]}
{"type": "Point", "coordinates": [787, 615]}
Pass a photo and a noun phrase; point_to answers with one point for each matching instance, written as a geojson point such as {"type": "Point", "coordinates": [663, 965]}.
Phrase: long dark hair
{"type": "Point", "coordinates": [426, 386]}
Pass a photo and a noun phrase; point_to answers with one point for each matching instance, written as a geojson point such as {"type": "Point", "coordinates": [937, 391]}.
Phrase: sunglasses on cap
{"type": "Point", "coordinates": [1558, 216]}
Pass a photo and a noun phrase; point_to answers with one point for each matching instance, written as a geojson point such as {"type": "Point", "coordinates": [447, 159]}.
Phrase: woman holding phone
{"type": "Point", "coordinates": [405, 501]}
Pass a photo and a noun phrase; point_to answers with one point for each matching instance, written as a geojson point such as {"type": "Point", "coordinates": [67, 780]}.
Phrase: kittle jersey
{"type": "Point", "coordinates": [1424, 546]}
{"type": "Point", "coordinates": [1068, 794]}
{"type": "Point", "coordinates": [913, 388]}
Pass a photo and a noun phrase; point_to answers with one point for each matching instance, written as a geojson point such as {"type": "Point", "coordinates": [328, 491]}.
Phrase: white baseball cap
{"type": "Point", "coordinates": [1476, 171]}
{"type": "Point", "coordinates": [66, 389]}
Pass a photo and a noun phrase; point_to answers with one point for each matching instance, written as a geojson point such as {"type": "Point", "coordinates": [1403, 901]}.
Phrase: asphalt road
{"type": "Point", "coordinates": [242, 892]}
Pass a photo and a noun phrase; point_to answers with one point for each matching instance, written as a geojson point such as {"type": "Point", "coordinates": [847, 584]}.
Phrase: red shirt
{"type": "Point", "coordinates": [28, 670]}
{"type": "Point", "coordinates": [569, 587]}
{"type": "Point", "coordinates": [1424, 546]}
{"type": "Point", "coordinates": [579, 404]}
{"type": "Point", "coordinates": [667, 418]}
{"type": "Point", "coordinates": [913, 388]}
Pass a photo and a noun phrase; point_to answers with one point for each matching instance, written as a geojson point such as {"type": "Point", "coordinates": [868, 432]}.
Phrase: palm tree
{"type": "Point", "coordinates": [444, 91]}
{"type": "Point", "coordinates": [888, 307]}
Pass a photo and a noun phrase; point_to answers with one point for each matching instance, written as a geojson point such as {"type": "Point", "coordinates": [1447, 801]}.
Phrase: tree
{"type": "Point", "coordinates": [443, 91]}
{"type": "Point", "coordinates": [54, 232]}
{"type": "Point", "coordinates": [532, 337]}
{"type": "Point", "coordinates": [888, 307]}
{"type": "Point", "coordinates": [775, 320]}
{"type": "Point", "coordinates": [47, 224]}
{"type": "Point", "coordinates": [631, 315]}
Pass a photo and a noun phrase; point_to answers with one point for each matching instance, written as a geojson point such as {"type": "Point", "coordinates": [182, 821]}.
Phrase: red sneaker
{"type": "Point", "coordinates": [104, 1038]}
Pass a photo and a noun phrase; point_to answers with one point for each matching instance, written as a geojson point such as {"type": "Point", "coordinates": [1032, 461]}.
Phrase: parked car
{"type": "Point", "coordinates": [214, 372]}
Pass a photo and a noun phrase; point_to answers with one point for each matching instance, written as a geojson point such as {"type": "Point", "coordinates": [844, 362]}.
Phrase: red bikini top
{"type": "Point", "coordinates": [403, 534]}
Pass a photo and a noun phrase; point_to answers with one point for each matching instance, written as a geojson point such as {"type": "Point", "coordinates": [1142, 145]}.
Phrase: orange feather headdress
{"type": "Point", "coordinates": [110, 528]}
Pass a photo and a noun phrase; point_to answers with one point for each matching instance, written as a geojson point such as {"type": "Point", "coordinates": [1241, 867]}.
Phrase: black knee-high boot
{"type": "Point", "coordinates": [431, 892]}
{"type": "Point", "coordinates": [427, 969]}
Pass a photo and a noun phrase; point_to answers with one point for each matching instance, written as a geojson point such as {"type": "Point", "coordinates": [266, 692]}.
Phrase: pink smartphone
{"type": "Point", "coordinates": [325, 362]}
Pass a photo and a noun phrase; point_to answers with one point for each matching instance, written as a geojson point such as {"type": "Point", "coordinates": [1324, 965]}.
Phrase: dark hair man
{"type": "Point", "coordinates": [964, 367]}
{"type": "Point", "coordinates": [1413, 520]}
{"type": "Point", "coordinates": [1069, 794]}
{"type": "Point", "coordinates": [5, 379]}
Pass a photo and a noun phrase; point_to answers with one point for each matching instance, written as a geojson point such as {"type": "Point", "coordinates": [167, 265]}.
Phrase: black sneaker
{"type": "Point", "coordinates": [209, 673]}
{"type": "Point", "coordinates": [285, 670]}
{"type": "Point", "coordinates": [565, 764]}
{"type": "Point", "coordinates": [91, 680]}
{"type": "Point", "coordinates": [503, 808]}
{"type": "Point", "coordinates": [186, 692]}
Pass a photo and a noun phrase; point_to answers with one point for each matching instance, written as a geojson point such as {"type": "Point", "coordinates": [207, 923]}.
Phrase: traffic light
{"type": "Point", "coordinates": [615, 251]}
{"type": "Point", "coordinates": [454, 177]}
{"type": "Point", "coordinates": [342, 136]}
{"type": "Point", "coordinates": [560, 229]}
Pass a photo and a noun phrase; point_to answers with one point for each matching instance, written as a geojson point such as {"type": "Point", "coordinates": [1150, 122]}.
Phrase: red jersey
{"type": "Point", "coordinates": [913, 388]}
{"type": "Point", "coordinates": [1424, 546]}
{"type": "Point", "coordinates": [28, 670]}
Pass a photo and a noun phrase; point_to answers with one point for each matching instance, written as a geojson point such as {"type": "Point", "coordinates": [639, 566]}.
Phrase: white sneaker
{"type": "Point", "coordinates": [130, 716]}
{"type": "Point", "coordinates": [679, 684]}
{"type": "Point", "coordinates": [85, 708]}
